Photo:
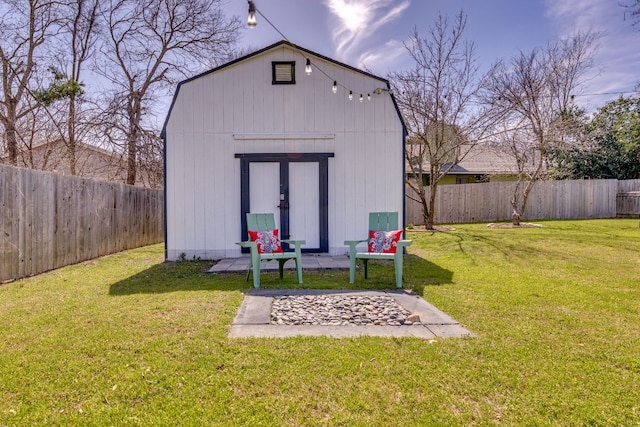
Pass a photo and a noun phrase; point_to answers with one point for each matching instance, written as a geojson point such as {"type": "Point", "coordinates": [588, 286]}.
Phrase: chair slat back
{"type": "Point", "coordinates": [383, 221]}
{"type": "Point", "coordinates": [260, 221]}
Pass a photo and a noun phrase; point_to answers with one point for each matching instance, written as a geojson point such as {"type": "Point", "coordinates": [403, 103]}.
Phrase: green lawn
{"type": "Point", "coordinates": [128, 340]}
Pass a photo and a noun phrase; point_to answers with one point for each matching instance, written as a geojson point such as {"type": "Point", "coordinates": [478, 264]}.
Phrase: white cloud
{"type": "Point", "coordinates": [383, 58]}
{"type": "Point", "coordinates": [356, 22]}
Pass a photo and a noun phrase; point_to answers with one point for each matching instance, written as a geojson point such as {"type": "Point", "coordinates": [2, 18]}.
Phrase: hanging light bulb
{"type": "Point", "coordinates": [307, 69]}
{"type": "Point", "coordinates": [350, 96]}
{"type": "Point", "coordinates": [251, 19]}
{"type": "Point", "coordinates": [368, 97]}
{"type": "Point", "coordinates": [361, 98]}
{"type": "Point", "coordinates": [334, 88]}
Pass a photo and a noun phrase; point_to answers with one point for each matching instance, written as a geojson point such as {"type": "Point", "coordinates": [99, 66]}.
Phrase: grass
{"type": "Point", "coordinates": [128, 340]}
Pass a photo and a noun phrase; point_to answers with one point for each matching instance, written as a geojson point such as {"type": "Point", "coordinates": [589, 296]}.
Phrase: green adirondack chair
{"type": "Point", "coordinates": [378, 221]}
{"type": "Point", "coordinates": [266, 222]}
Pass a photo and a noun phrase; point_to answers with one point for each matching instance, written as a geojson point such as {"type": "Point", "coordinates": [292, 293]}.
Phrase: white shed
{"type": "Point", "coordinates": [260, 135]}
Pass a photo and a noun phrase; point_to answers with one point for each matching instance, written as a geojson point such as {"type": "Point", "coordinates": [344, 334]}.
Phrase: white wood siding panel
{"type": "Point", "coordinates": [213, 104]}
{"type": "Point", "coordinates": [260, 78]}
{"type": "Point", "coordinates": [228, 99]}
{"type": "Point", "coordinates": [200, 169]}
{"type": "Point", "coordinates": [232, 231]}
{"type": "Point", "coordinates": [212, 194]}
{"type": "Point", "coordinates": [189, 203]}
{"type": "Point", "coordinates": [239, 82]}
{"type": "Point", "coordinates": [173, 171]}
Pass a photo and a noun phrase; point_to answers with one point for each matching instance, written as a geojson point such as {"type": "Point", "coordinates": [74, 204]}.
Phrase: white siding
{"type": "Point", "coordinates": [237, 110]}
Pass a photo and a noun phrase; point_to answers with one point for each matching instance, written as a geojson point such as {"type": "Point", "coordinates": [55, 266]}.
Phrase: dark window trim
{"type": "Point", "coordinates": [283, 82]}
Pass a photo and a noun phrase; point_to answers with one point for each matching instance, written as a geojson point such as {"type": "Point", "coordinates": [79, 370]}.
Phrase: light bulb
{"type": "Point", "coordinates": [350, 96]}
{"type": "Point", "coordinates": [368, 97]}
{"type": "Point", "coordinates": [334, 88]}
{"type": "Point", "coordinates": [307, 69]}
{"type": "Point", "coordinates": [251, 19]}
{"type": "Point", "coordinates": [361, 98]}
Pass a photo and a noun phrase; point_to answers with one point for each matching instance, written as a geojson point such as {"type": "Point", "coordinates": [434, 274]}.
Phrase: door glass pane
{"type": "Point", "coordinates": [304, 200]}
{"type": "Point", "coordinates": [264, 188]}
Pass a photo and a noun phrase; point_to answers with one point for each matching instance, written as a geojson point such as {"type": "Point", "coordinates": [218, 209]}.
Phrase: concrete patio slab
{"type": "Point", "coordinates": [254, 315]}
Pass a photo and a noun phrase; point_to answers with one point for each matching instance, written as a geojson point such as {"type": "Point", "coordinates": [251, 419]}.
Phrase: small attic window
{"type": "Point", "coordinates": [283, 73]}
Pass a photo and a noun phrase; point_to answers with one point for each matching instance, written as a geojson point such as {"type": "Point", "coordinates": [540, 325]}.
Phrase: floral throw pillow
{"type": "Point", "coordinates": [268, 241]}
{"type": "Point", "coordinates": [384, 241]}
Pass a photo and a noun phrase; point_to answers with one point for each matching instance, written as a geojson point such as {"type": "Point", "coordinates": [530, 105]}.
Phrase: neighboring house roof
{"type": "Point", "coordinates": [91, 162]}
{"type": "Point", "coordinates": [481, 160]}
{"type": "Point", "coordinates": [52, 156]}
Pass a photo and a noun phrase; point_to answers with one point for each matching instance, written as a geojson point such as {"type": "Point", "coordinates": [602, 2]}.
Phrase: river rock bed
{"type": "Point", "coordinates": [340, 310]}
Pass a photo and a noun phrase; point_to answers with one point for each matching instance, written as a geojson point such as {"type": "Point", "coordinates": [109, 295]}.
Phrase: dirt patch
{"type": "Point", "coordinates": [510, 225]}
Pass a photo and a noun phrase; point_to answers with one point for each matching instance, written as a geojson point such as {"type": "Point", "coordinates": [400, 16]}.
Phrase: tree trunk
{"type": "Point", "coordinates": [10, 134]}
{"type": "Point", "coordinates": [135, 117]}
{"type": "Point", "coordinates": [515, 197]}
{"type": "Point", "coordinates": [433, 187]}
{"type": "Point", "coordinates": [131, 159]}
{"type": "Point", "coordinates": [12, 143]}
{"type": "Point", "coordinates": [423, 201]}
{"type": "Point", "coordinates": [71, 142]}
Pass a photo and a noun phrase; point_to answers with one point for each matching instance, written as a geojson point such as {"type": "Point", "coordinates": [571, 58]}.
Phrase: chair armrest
{"type": "Point", "coordinates": [296, 245]}
{"type": "Point", "coordinates": [403, 243]}
{"type": "Point", "coordinates": [293, 242]}
{"type": "Point", "coordinates": [352, 246]}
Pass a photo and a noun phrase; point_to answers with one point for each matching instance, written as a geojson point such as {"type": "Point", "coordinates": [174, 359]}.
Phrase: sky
{"type": "Point", "coordinates": [369, 34]}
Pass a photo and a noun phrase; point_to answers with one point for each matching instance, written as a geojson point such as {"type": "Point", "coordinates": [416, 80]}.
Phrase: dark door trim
{"type": "Point", "coordinates": [284, 159]}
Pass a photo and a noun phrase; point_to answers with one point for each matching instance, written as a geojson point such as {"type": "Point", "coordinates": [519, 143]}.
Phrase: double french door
{"type": "Point", "coordinates": [294, 187]}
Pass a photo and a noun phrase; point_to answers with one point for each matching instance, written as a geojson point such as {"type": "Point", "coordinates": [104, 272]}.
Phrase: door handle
{"type": "Point", "coordinates": [284, 205]}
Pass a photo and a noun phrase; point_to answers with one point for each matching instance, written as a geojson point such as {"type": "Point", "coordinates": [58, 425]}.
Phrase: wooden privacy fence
{"type": "Point", "coordinates": [48, 220]}
{"type": "Point", "coordinates": [490, 202]}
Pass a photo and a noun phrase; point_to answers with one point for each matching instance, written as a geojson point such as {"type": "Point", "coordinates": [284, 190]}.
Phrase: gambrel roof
{"type": "Point", "coordinates": [305, 52]}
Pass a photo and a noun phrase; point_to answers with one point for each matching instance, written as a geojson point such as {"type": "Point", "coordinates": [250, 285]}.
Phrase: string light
{"type": "Point", "coordinates": [368, 97]}
{"type": "Point", "coordinates": [350, 95]}
{"type": "Point", "coordinates": [307, 68]}
{"type": "Point", "coordinates": [251, 19]}
{"type": "Point", "coordinates": [334, 88]}
{"type": "Point", "coordinates": [361, 98]}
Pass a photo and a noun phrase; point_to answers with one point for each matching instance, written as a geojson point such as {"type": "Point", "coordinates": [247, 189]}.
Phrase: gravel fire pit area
{"type": "Point", "coordinates": [281, 313]}
{"type": "Point", "coordinates": [340, 310]}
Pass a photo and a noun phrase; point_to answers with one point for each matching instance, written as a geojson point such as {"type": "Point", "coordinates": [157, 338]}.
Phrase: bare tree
{"type": "Point", "coordinates": [535, 92]}
{"type": "Point", "coordinates": [438, 100]}
{"type": "Point", "coordinates": [150, 44]}
{"type": "Point", "coordinates": [516, 140]}
{"type": "Point", "coordinates": [25, 25]}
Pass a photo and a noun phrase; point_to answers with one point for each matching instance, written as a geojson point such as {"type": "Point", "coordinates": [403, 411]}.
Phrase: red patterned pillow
{"type": "Point", "coordinates": [384, 241]}
{"type": "Point", "coordinates": [268, 241]}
